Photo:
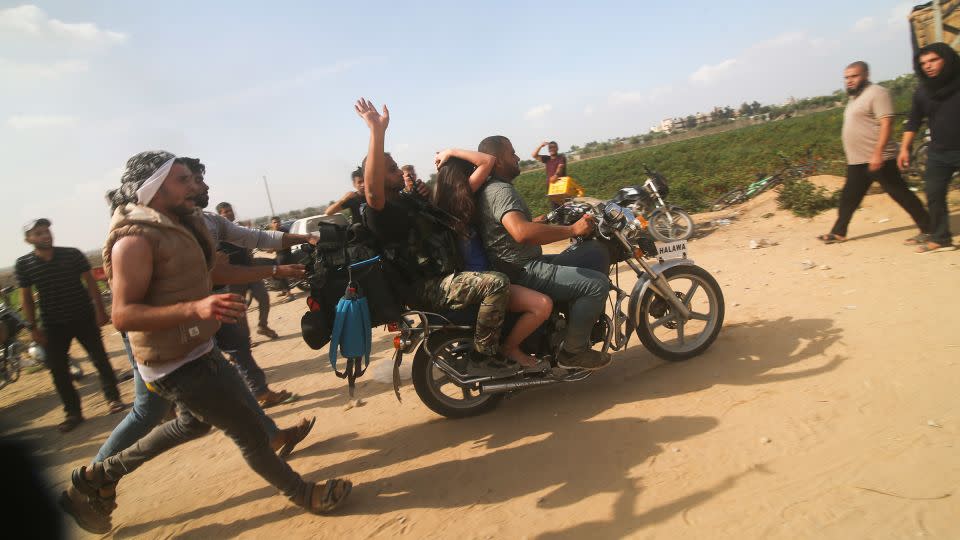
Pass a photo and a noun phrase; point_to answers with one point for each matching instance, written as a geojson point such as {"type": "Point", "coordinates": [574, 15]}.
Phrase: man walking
{"type": "Point", "coordinates": [240, 256]}
{"type": "Point", "coordinates": [159, 255]}
{"type": "Point", "coordinates": [937, 98]}
{"type": "Point", "coordinates": [871, 153]}
{"type": "Point", "coordinates": [68, 311]}
{"type": "Point", "coordinates": [554, 162]}
{"type": "Point", "coordinates": [283, 256]}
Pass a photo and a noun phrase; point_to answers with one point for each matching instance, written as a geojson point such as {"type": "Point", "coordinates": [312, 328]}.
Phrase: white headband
{"type": "Point", "coordinates": [152, 185]}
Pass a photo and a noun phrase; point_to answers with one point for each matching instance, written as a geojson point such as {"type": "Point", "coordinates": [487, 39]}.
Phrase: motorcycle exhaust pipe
{"type": "Point", "coordinates": [513, 386]}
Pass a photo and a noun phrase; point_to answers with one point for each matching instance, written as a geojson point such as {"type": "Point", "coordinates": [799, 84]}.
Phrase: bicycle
{"type": "Point", "coordinates": [789, 172]}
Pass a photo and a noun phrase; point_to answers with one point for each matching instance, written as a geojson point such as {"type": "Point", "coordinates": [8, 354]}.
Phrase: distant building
{"type": "Point", "coordinates": [668, 125]}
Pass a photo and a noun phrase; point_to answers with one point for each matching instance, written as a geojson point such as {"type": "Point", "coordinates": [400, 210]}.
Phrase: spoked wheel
{"type": "Point", "coordinates": [11, 363]}
{"type": "Point", "coordinates": [663, 333]}
{"type": "Point", "coordinates": [730, 198]}
{"type": "Point", "coordinates": [436, 389]}
{"type": "Point", "coordinates": [670, 225]}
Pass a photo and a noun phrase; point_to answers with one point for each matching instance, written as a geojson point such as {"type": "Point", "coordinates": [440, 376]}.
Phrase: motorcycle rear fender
{"type": "Point", "coordinates": [643, 283]}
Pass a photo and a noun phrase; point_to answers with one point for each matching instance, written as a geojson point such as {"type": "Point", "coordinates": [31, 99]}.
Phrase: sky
{"type": "Point", "coordinates": [258, 89]}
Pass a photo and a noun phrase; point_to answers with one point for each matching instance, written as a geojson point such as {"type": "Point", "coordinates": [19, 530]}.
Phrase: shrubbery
{"type": "Point", "coordinates": [805, 199]}
{"type": "Point", "coordinates": [701, 169]}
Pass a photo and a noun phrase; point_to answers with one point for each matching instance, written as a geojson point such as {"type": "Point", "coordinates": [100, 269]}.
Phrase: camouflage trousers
{"type": "Point", "coordinates": [461, 289]}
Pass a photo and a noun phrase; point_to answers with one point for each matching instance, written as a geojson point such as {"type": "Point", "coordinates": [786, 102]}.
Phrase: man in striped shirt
{"type": "Point", "coordinates": [68, 311]}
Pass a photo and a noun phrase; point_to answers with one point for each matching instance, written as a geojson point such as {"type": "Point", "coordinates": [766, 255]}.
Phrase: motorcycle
{"type": "Point", "coordinates": [11, 349]}
{"type": "Point", "coordinates": [13, 352]}
{"type": "Point", "coordinates": [667, 222]}
{"type": "Point", "coordinates": [676, 308]}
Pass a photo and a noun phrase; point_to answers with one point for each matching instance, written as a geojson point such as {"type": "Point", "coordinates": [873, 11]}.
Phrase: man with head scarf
{"type": "Point", "coordinates": [936, 99]}
{"type": "Point", "coordinates": [159, 255]}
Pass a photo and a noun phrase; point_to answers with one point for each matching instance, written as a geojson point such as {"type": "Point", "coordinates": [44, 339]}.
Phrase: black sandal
{"type": "Point", "coordinates": [831, 238]}
{"type": "Point", "coordinates": [921, 238]}
{"type": "Point", "coordinates": [69, 424]}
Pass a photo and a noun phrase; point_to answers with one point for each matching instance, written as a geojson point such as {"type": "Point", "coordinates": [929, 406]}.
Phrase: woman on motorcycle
{"type": "Point", "coordinates": [460, 173]}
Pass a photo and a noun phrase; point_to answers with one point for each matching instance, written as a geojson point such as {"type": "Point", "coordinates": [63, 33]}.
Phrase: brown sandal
{"type": "Point", "coordinates": [84, 501]}
{"type": "Point", "coordinates": [295, 435]}
{"type": "Point", "coordinates": [328, 497]}
{"type": "Point", "coordinates": [271, 398]}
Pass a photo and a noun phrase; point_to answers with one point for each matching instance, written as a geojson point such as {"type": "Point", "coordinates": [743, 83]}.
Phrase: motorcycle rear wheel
{"type": "Point", "coordinates": [663, 334]}
{"type": "Point", "coordinates": [664, 231]}
{"type": "Point", "coordinates": [435, 388]}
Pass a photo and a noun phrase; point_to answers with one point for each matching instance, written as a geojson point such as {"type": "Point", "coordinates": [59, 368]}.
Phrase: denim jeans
{"type": "Point", "coordinates": [148, 411]}
{"type": "Point", "coordinates": [59, 337]}
{"type": "Point", "coordinates": [941, 165]}
{"type": "Point", "coordinates": [209, 392]}
{"type": "Point", "coordinates": [577, 276]}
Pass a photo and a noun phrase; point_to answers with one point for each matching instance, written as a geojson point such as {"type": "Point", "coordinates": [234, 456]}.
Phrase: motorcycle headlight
{"type": "Point", "coordinates": [613, 213]}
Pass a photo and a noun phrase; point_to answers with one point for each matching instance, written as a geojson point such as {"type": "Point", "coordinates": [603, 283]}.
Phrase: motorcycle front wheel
{"type": "Point", "coordinates": [436, 389]}
{"type": "Point", "coordinates": [663, 333]}
{"type": "Point", "coordinates": [670, 225]}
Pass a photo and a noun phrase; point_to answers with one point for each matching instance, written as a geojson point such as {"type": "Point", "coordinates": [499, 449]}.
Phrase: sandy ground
{"type": "Point", "coordinates": [827, 408]}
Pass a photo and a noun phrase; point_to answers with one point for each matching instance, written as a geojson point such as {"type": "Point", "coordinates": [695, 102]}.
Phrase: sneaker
{"type": "Point", "coordinates": [588, 359]}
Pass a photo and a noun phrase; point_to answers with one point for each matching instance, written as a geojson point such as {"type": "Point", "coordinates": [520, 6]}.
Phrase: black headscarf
{"type": "Point", "coordinates": [948, 81]}
{"type": "Point", "coordinates": [138, 169]}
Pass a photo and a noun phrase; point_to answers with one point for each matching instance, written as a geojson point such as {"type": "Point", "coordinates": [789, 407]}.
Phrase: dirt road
{"type": "Point", "coordinates": [827, 408]}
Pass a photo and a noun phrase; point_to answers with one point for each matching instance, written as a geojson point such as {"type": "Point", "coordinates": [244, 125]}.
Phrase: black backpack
{"type": "Point", "coordinates": [431, 247]}
{"type": "Point", "coordinates": [344, 247]}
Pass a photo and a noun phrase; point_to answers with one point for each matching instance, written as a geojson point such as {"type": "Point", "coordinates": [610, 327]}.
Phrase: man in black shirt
{"type": "Point", "coordinates": [391, 216]}
{"type": "Point", "coordinates": [283, 257]}
{"type": "Point", "coordinates": [65, 307]}
{"type": "Point", "coordinates": [937, 98]}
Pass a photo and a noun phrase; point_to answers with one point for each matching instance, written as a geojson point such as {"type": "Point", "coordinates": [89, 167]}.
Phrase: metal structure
{"type": "Point", "coordinates": [937, 21]}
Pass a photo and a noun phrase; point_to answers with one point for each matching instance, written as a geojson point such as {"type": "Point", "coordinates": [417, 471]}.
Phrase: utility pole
{"type": "Point", "coordinates": [267, 187]}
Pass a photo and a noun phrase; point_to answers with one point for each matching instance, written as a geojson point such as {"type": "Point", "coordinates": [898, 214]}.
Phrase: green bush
{"type": "Point", "coordinates": [805, 199]}
{"type": "Point", "coordinates": [701, 169]}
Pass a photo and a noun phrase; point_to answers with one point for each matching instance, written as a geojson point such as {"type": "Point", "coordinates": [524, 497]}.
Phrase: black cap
{"type": "Point", "coordinates": [34, 223]}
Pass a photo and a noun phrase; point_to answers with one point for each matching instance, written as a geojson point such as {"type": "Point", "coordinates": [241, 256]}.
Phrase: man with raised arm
{"type": "Point", "coordinates": [554, 162]}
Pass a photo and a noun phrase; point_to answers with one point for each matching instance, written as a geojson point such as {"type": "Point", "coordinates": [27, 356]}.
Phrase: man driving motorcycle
{"type": "Point", "coordinates": [578, 276]}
